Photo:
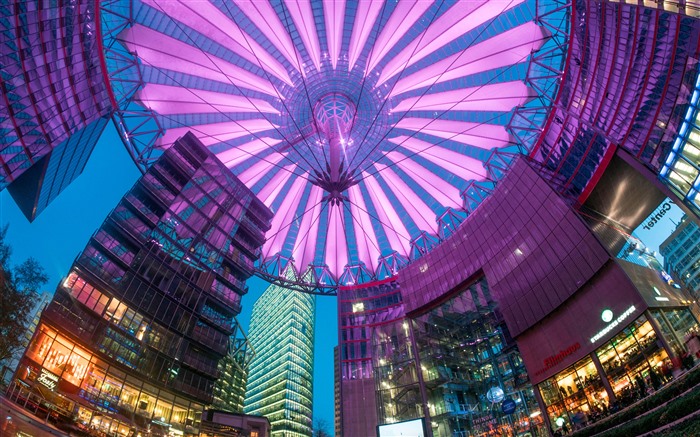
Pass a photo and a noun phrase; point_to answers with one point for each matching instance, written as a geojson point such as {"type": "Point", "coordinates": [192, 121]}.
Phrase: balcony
{"type": "Point", "coordinates": [246, 245]}
{"type": "Point", "coordinates": [245, 263]}
{"type": "Point", "coordinates": [199, 394]}
{"type": "Point", "coordinates": [226, 295]}
{"type": "Point", "coordinates": [197, 363]}
{"type": "Point", "coordinates": [204, 337]}
{"type": "Point", "coordinates": [225, 324]}
{"type": "Point", "coordinates": [111, 275]}
{"type": "Point", "coordinates": [77, 323]}
{"type": "Point", "coordinates": [253, 229]}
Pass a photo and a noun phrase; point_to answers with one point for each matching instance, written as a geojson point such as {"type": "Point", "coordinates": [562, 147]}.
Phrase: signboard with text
{"type": "Point", "coordinates": [47, 379]}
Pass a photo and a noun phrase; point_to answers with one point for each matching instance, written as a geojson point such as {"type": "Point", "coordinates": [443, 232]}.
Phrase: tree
{"type": "Point", "coordinates": [321, 428]}
{"type": "Point", "coordinates": [19, 291]}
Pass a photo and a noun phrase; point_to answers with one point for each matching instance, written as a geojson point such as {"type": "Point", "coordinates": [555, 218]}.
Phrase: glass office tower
{"type": "Point", "coordinates": [280, 385]}
{"type": "Point", "coordinates": [681, 252]}
{"type": "Point", "coordinates": [229, 390]}
{"type": "Point", "coordinates": [134, 334]}
{"type": "Point", "coordinates": [54, 101]}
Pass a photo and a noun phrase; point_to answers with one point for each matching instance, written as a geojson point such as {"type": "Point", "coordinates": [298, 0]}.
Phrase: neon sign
{"type": "Point", "coordinates": [47, 379]}
{"type": "Point", "coordinates": [613, 324]}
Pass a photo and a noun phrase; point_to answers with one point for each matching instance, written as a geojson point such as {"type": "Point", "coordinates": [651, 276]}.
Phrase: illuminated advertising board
{"type": "Point", "coordinates": [408, 428]}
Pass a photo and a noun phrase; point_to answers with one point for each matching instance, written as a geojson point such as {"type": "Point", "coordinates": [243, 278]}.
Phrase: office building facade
{"type": "Point", "coordinates": [681, 252]}
{"type": "Point", "coordinates": [229, 389]}
{"type": "Point", "coordinates": [133, 336]}
{"type": "Point", "coordinates": [280, 381]}
{"type": "Point", "coordinates": [451, 363]}
{"type": "Point", "coordinates": [510, 324]}
{"type": "Point", "coordinates": [551, 277]}
{"type": "Point", "coordinates": [54, 100]}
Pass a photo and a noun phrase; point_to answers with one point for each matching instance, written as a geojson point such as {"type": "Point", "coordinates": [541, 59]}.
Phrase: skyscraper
{"type": "Point", "coordinates": [135, 332]}
{"type": "Point", "coordinates": [54, 101]}
{"type": "Point", "coordinates": [229, 389]}
{"type": "Point", "coordinates": [280, 385]}
{"type": "Point", "coordinates": [681, 252]}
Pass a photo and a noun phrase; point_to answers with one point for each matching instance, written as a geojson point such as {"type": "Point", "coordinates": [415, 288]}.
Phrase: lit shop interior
{"type": "Point", "coordinates": [104, 397]}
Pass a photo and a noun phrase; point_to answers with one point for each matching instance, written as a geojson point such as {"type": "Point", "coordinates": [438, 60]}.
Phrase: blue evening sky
{"type": "Point", "coordinates": [62, 230]}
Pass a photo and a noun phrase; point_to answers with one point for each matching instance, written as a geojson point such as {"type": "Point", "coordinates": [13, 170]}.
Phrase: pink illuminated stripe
{"type": "Point", "coordinates": [208, 20]}
{"type": "Point", "coordinates": [459, 20]}
{"type": "Point", "coordinates": [271, 190]}
{"type": "Point", "coordinates": [239, 154]}
{"type": "Point", "coordinates": [505, 49]}
{"type": "Point", "coordinates": [495, 97]}
{"type": "Point", "coordinates": [442, 191]}
{"type": "Point", "coordinates": [367, 245]}
{"type": "Point", "coordinates": [257, 171]}
{"type": "Point", "coordinates": [284, 216]}
{"type": "Point", "coordinates": [485, 136]}
{"type": "Point", "coordinates": [168, 53]}
{"type": "Point", "coordinates": [367, 12]}
{"type": "Point", "coordinates": [336, 243]}
{"type": "Point", "coordinates": [395, 231]}
{"type": "Point", "coordinates": [214, 133]}
{"type": "Point", "coordinates": [303, 18]}
{"type": "Point", "coordinates": [417, 209]}
{"type": "Point", "coordinates": [170, 100]}
{"type": "Point", "coordinates": [265, 18]}
{"type": "Point", "coordinates": [334, 14]}
{"type": "Point", "coordinates": [305, 245]}
{"type": "Point", "coordinates": [402, 19]}
{"type": "Point", "coordinates": [456, 163]}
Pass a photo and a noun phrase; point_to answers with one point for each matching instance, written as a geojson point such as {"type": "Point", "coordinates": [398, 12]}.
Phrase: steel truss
{"type": "Point", "coordinates": [140, 129]}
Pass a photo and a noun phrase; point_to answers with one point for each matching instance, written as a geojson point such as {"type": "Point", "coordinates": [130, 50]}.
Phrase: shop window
{"type": "Point", "coordinates": [41, 345]}
{"type": "Point", "coordinates": [147, 400]}
{"type": "Point", "coordinates": [575, 389]}
{"type": "Point", "coordinates": [163, 410]}
{"type": "Point", "coordinates": [77, 366]}
{"type": "Point", "coordinates": [129, 397]}
{"type": "Point", "coordinates": [115, 310]}
{"type": "Point", "coordinates": [58, 355]}
{"type": "Point", "coordinates": [112, 389]}
{"type": "Point", "coordinates": [180, 411]}
{"type": "Point", "coordinates": [93, 381]}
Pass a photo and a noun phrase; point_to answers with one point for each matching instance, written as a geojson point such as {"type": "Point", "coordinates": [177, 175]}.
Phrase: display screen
{"type": "Point", "coordinates": [409, 428]}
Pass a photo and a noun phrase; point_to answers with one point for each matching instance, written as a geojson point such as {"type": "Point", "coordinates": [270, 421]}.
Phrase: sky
{"type": "Point", "coordinates": [62, 230]}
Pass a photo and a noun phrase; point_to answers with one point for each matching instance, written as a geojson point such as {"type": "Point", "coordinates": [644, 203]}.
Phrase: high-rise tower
{"type": "Point", "coordinates": [280, 379]}
{"type": "Point", "coordinates": [134, 333]}
{"type": "Point", "coordinates": [54, 100]}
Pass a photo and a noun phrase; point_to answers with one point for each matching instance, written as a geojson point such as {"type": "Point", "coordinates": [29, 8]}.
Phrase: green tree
{"type": "Point", "coordinates": [19, 291]}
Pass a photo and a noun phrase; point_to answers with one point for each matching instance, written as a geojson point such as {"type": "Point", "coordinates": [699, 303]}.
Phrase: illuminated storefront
{"type": "Point", "coordinates": [607, 352]}
{"type": "Point", "coordinates": [610, 374]}
{"type": "Point", "coordinates": [132, 337]}
{"type": "Point", "coordinates": [103, 397]}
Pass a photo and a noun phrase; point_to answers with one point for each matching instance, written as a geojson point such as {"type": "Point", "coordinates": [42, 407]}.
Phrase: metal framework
{"type": "Point", "coordinates": [344, 194]}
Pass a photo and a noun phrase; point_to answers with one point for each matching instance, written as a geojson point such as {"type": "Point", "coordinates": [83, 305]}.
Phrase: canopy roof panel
{"type": "Point", "coordinates": [366, 126]}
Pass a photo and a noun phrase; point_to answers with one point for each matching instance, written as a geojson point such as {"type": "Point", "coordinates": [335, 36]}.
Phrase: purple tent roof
{"type": "Point", "coordinates": [367, 127]}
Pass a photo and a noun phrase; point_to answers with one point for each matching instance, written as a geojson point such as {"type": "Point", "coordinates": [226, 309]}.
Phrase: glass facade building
{"type": "Point", "coordinates": [470, 366]}
{"type": "Point", "coordinates": [682, 165]}
{"type": "Point", "coordinates": [54, 100]}
{"type": "Point", "coordinates": [134, 334]}
{"type": "Point", "coordinates": [452, 363]}
{"type": "Point", "coordinates": [681, 252]}
{"type": "Point", "coordinates": [229, 389]}
{"type": "Point", "coordinates": [280, 380]}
